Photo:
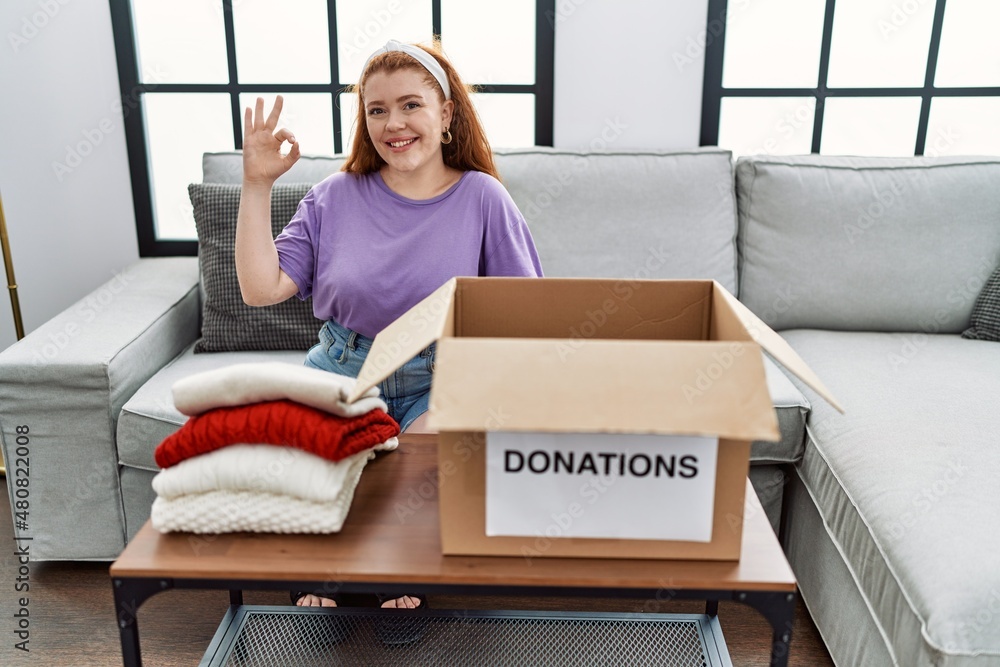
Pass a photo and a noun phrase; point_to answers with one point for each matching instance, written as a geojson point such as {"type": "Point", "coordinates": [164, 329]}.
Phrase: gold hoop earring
{"type": "Point", "coordinates": [446, 137]}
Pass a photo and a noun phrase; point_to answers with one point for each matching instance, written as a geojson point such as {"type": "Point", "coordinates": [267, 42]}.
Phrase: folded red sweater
{"type": "Point", "coordinates": [277, 423]}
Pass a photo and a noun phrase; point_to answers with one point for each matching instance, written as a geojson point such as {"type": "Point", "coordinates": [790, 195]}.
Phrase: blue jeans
{"type": "Point", "coordinates": [406, 392]}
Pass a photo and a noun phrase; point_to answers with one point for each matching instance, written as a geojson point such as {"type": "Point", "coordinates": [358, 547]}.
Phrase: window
{"type": "Point", "coordinates": [852, 77]}
{"type": "Point", "coordinates": [188, 68]}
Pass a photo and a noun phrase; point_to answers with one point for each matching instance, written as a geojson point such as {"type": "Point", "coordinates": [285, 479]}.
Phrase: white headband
{"type": "Point", "coordinates": [429, 62]}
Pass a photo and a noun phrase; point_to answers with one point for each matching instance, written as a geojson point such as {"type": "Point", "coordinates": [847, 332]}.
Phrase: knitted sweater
{"type": "Point", "coordinates": [280, 422]}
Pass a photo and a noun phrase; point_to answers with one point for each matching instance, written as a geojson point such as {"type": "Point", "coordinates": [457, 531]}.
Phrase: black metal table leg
{"type": "Point", "coordinates": [779, 610]}
{"type": "Point", "coordinates": [129, 595]}
{"type": "Point", "coordinates": [131, 592]}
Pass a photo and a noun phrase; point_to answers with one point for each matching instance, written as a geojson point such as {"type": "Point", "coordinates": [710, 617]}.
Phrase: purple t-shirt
{"type": "Point", "coordinates": [367, 254]}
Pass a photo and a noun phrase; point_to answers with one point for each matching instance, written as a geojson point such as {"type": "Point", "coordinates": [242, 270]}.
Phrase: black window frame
{"type": "Point", "coordinates": [132, 89]}
{"type": "Point", "coordinates": [713, 92]}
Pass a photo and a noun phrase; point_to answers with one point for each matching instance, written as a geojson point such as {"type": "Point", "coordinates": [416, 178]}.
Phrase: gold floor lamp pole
{"type": "Point", "coordinates": [12, 286]}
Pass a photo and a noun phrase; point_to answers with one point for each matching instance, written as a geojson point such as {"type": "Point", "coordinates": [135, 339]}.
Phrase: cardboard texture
{"type": "Point", "coordinates": [588, 355]}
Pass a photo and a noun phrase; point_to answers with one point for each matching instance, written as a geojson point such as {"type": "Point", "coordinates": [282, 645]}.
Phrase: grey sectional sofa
{"type": "Point", "coordinates": [868, 267]}
{"type": "Point", "coordinates": [894, 508]}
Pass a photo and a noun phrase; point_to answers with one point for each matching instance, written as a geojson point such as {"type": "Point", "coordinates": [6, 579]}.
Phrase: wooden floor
{"type": "Point", "coordinates": [72, 618]}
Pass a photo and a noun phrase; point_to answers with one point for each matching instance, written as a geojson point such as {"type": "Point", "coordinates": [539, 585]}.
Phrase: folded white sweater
{"type": "Point", "coordinates": [271, 469]}
{"type": "Point", "coordinates": [242, 384]}
{"type": "Point", "coordinates": [259, 489]}
{"type": "Point", "coordinates": [252, 511]}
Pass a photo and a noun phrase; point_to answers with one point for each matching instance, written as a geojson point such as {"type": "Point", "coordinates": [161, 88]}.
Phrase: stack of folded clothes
{"type": "Point", "coordinates": [269, 447]}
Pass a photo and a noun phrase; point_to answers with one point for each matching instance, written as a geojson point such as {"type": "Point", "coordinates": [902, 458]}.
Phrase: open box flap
{"type": "Point", "coordinates": [682, 387]}
{"type": "Point", "coordinates": [406, 337]}
{"type": "Point", "coordinates": [756, 330]}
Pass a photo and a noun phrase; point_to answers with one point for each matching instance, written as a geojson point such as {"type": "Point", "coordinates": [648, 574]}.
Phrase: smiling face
{"type": "Point", "coordinates": [405, 118]}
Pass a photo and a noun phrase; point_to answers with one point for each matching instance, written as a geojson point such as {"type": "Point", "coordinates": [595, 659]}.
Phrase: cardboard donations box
{"type": "Point", "coordinates": [591, 417]}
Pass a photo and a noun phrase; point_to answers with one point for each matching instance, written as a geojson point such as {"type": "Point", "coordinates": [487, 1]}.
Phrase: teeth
{"type": "Point", "coordinates": [400, 144]}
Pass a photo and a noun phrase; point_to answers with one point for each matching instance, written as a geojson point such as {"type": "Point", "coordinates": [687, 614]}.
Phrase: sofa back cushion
{"type": "Point", "coordinates": [228, 324]}
{"type": "Point", "coordinates": [986, 312]}
{"type": "Point", "coordinates": [628, 214]}
{"type": "Point", "coordinates": [878, 244]}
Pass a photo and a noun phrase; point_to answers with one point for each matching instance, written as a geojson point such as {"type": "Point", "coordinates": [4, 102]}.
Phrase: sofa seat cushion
{"type": "Point", "coordinates": [150, 416]}
{"type": "Point", "coordinates": [792, 409]}
{"type": "Point", "coordinates": [906, 484]}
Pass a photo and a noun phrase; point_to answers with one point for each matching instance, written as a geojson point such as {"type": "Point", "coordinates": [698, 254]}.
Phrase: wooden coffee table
{"type": "Point", "coordinates": [384, 548]}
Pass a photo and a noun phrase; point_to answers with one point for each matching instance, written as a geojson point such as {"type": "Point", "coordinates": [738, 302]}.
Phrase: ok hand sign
{"type": "Point", "coordinates": [263, 162]}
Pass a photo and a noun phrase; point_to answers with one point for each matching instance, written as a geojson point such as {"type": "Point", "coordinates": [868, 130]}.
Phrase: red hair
{"type": "Point", "coordinates": [469, 149]}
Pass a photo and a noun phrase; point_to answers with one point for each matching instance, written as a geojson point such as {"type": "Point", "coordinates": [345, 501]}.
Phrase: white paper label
{"type": "Point", "coordinates": [600, 485]}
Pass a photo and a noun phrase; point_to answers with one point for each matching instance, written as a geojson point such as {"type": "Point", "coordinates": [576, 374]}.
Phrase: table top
{"type": "Point", "coordinates": [391, 536]}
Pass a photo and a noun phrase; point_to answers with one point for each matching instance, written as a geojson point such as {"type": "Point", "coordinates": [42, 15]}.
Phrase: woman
{"type": "Point", "coordinates": [417, 202]}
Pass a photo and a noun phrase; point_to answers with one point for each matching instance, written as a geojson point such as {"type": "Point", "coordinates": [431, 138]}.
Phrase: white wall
{"type": "Point", "coordinates": [69, 231]}
{"type": "Point", "coordinates": [628, 75]}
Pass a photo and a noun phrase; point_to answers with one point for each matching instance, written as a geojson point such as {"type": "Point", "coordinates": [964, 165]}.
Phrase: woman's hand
{"type": "Point", "coordinates": [263, 162]}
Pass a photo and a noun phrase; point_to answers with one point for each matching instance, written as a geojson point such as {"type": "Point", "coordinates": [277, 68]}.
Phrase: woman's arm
{"type": "Point", "coordinates": [262, 282]}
